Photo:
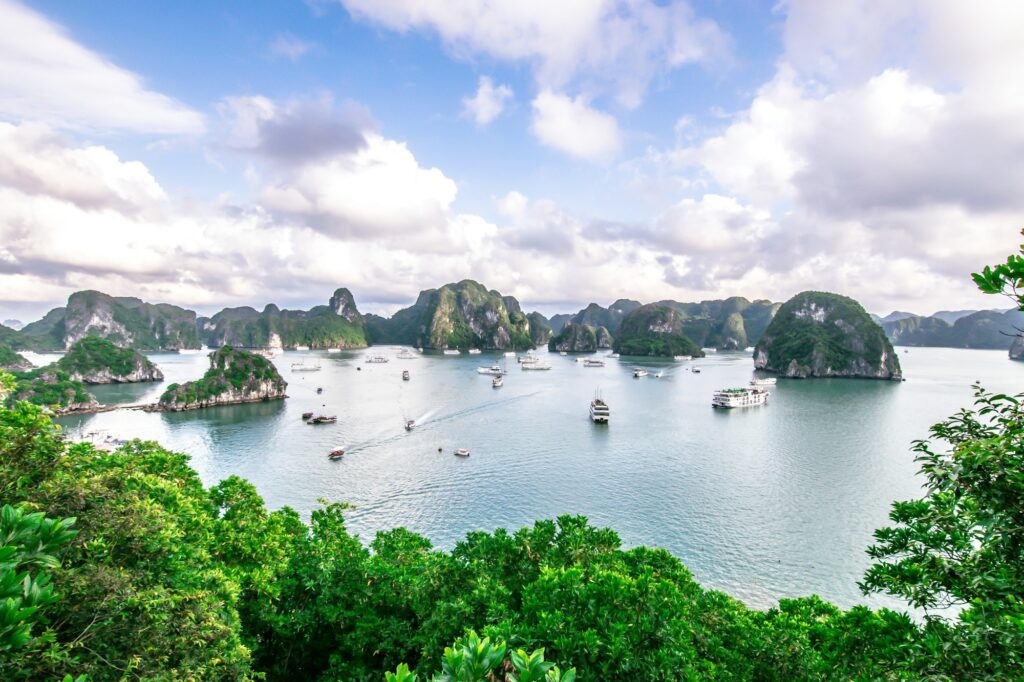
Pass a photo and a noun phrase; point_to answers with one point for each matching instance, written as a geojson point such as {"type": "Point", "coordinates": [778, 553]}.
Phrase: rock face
{"type": "Point", "coordinates": [53, 388]}
{"type": "Point", "coordinates": [335, 325]}
{"type": "Point", "coordinates": [580, 338]}
{"type": "Point", "coordinates": [93, 360]}
{"type": "Point", "coordinates": [540, 330]}
{"type": "Point", "coordinates": [818, 334]}
{"type": "Point", "coordinates": [655, 330]}
{"type": "Point", "coordinates": [234, 376]}
{"type": "Point", "coordinates": [128, 322]}
{"type": "Point", "coordinates": [1017, 349]}
{"type": "Point", "coordinates": [462, 315]}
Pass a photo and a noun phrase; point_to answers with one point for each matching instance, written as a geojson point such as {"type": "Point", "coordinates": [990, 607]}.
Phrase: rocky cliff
{"type": "Point", "coordinates": [11, 360]}
{"type": "Point", "coordinates": [1017, 349]}
{"type": "Point", "coordinates": [128, 322]}
{"type": "Point", "coordinates": [93, 360]}
{"type": "Point", "coordinates": [234, 376]}
{"type": "Point", "coordinates": [655, 330]}
{"type": "Point", "coordinates": [461, 315]}
{"type": "Point", "coordinates": [335, 325]}
{"type": "Point", "coordinates": [540, 330]}
{"type": "Point", "coordinates": [580, 338]}
{"type": "Point", "coordinates": [817, 334]}
{"type": "Point", "coordinates": [992, 329]}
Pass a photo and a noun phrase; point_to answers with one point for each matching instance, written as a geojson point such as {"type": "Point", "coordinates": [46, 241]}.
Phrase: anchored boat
{"type": "Point", "coordinates": [462, 452]}
{"type": "Point", "coordinates": [599, 412]}
{"type": "Point", "coordinates": [497, 382]}
{"type": "Point", "coordinates": [739, 397]}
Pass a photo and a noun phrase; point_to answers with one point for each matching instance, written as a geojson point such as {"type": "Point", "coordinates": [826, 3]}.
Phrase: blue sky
{"type": "Point", "coordinates": [238, 152]}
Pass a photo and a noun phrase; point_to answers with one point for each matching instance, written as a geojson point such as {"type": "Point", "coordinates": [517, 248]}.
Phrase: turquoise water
{"type": "Point", "coordinates": [762, 503]}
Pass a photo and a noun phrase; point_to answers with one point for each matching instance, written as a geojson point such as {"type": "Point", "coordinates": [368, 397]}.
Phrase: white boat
{"type": "Point", "coordinates": [462, 452]}
{"type": "Point", "coordinates": [303, 367]}
{"type": "Point", "coordinates": [267, 353]}
{"type": "Point", "coordinates": [562, 352]}
{"type": "Point", "coordinates": [410, 424]}
{"type": "Point", "coordinates": [333, 350]}
{"type": "Point", "coordinates": [535, 366]}
{"type": "Point", "coordinates": [510, 354]}
{"type": "Point", "coordinates": [590, 362]}
{"type": "Point", "coordinates": [527, 359]}
{"type": "Point", "coordinates": [452, 351]}
{"type": "Point", "coordinates": [495, 370]}
{"type": "Point", "coordinates": [497, 382]}
{"type": "Point", "coordinates": [766, 381]}
{"type": "Point", "coordinates": [695, 370]}
{"type": "Point", "coordinates": [475, 351]}
{"type": "Point", "coordinates": [710, 350]}
{"type": "Point", "coordinates": [615, 355]}
{"type": "Point", "coordinates": [580, 361]}
{"type": "Point", "coordinates": [405, 375]}
{"type": "Point", "coordinates": [190, 351]}
{"type": "Point", "coordinates": [739, 397]}
{"type": "Point", "coordinates": [682, 358]}
{"type": "Point", "coordinates": [301, 347]}
{"type": "Point", "coordinates": [599, 412]}
{"type": "Point", "coordinates": [639, 372]}
{"type": "Point", "coordinates": [376, 359]}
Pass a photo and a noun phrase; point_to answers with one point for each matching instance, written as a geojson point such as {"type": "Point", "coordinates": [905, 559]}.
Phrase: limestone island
{"type": "Point", "coordinates": [93, 360]}
{"type": "Point", "coordinates": [54, 389]}
{"type": "Point", "coordinates": [234, 377]}
{"type": "Point", "coordinates": [818, 334]}
{"type": "Point", "coordinates": [655, 330]}
{"type": "Point", "coordinates": [580, 338]}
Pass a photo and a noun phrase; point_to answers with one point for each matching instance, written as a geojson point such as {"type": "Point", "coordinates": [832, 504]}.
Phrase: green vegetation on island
{"type": "Point", "coordinates": [235, 376]}
{"type": "Point", "coordinates": [11, 360]}
{"type": "Point", "coordinates": [818, 334]}
{"type": "Point", "coordinates": [53, 388]}
{"type": "Point", "coordinates": [655, 330]}
{"type": "Point", "coordinates": [335, 325]}
{"type": "Point", "coordinates": [540, 330]}
{"type": "Point", "coordinates": [94, 360]}
{"type": "Point", "coordinates": [580, 338]}
{"type": "Point", "coordinates": [463, 315]}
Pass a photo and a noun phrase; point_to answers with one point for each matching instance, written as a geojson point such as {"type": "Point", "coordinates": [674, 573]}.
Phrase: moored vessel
{"type": "Point", "coordinates": [452, 351]}
{"type": "Point", "coordinates": [599, 411]}
{"type": "Point", "coordinates": [462, 452]}
{"type": "Point", "coordinates": [590, 362]}
{"type": "Point", "coordinates": [682, 358]}
{"type": "Point", "coordinates": [765, 381]}
{"type": "Point", "coordinates": [495, 370]}
{"type": "Point", "coordinates": [405, 375]}
{"type": "Point", "coordinates": [739, 397]}
{"type": "Point", "coordinates": [475, 351]}
{"type": "Point", "coordinates": [497, 382]}
{"type": "Point", "coordinates": [376, 359]}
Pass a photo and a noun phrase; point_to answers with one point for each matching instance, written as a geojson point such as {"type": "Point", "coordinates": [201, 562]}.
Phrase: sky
{"type": "Point", "coordinates": [236, 153]}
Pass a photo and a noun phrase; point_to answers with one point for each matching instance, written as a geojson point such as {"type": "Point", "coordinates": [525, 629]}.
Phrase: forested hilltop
{"type": "Point", "coordinates": [123, 566]}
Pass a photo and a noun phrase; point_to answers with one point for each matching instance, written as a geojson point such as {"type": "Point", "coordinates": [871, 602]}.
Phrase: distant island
{"type": "Point", "coordinates": [655, 330]}
{"type": "Point", "coordinates": [93, 360]}
{"type": "Point", "coordinates": [818, 334]}
{"type": "Point", "coordinates": [235, 376]}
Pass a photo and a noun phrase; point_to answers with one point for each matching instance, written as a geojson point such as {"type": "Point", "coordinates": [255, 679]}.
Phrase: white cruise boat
{"type": "Point", "coordinates": [494, 370]}
{"type": "Point", "coordinates": [475, 351]}
{"type": "Point", "coordinates": [510, 354]}
{"type": "Point", "coordinates": [191, 351]}
{"type": "Point", "coordinates": [709, 350]}
{"type": "Point", "coordinates": [303, 367]}
{"type": "Point", "coordinates": [376, 359]}
{"type": "Point", "coordinates": [766, 381]}
{"type": "Point", "coordinates": [452, 351]}
{"type": "Point", "coordinates": [599, 412]}
{"type": "Point", "coordinates": [639, 372]}
{"type": "Point", "coordinates": [301, 347]}
{"type": "Point", "coordinates": [535, 366]}
{"type": "Point", "coordinates": [614, 355]}
{"type": "Point", "coordinates": [497, 382]}
{"type": "Point", "coordinates": [528, 359]}
{"type": "Point", "coordinates": [562, 353]}
{"type": "Point", "coordinates": [590, 362]}
{"type": "Point", "coordinates": [333, 350]}
{"type": "Point", "coordinates": [739, 397]}
{"type": "Point", "coordinates": [682, 358]}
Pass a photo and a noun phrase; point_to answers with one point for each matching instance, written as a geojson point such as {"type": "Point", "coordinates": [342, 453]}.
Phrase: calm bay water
{"type": "Point", "coordinates": [761, 503]}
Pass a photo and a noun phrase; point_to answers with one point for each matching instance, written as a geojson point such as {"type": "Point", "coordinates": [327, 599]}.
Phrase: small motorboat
{"type": "Point", "coordinates": [322, 419]}
{"type": "Point", "coordinates": [562, 352]}
{"type": "Point", "coordinates": [475, 351]}
{"type": "Point", "coordinates": [695, 370]}
{"type": "Point", "coordinates": [497, 382]}
{"type": "Point", "coordinates": [410, 424]}
{"type": "Point", "coordinates": [319, 390]}
{"type": "Point", "coordinates": [306, 416]}
{"type": "Point", "coordinates": [639, 372]}
{"type": "Point", "coordinates": [405, 375]}
{"type": "Point", "coordinates": [462, 452]}
{"type": "Point", "coordinates": [336, 453]}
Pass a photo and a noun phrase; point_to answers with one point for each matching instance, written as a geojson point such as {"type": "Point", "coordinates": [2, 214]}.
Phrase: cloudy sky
{"type": "Point", "coordinates": [208, 154]}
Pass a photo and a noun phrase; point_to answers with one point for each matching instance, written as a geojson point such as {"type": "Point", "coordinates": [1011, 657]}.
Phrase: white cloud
{"type": "Point", "coordinates": [488, 102]}
{"type": "Point", "coordinates": [572, 126]}
{"type": "Point", "coordinates": [289, 47]}
{"type": "Point", "coordinates": [623, 43]}
{"type": "Point", "coordinates": [46, 76]}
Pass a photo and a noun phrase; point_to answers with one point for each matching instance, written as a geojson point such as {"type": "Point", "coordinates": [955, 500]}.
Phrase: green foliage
{"type": "Point", "coordinates": [92, 354]}
{"type": "Point", "coordinates": [655, 330]}
{"type": "Point", "coordinates": [50, 387]}
{"type": "Point", "coordinates": [320, 327]}
{"type": "Point", "coordinates": [29, 543]}
{"type": "Point", "coordinates": [819, 333]}
{"type": "Point", "coordinates": [230, 370]}
{"type": "Point", "coordinates": [10, 358]}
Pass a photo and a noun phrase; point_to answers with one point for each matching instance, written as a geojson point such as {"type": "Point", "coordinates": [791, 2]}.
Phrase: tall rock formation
{"type": "Point", "coordinates": [655, 330]}
{"type": "Point", "coordinates": [234, 377]}
{"type": "Point", "coordinates": [817, 334]}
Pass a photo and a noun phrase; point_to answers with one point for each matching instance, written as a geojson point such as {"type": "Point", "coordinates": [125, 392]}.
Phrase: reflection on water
{"type": "Point", "coordinates": [763, 503]}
